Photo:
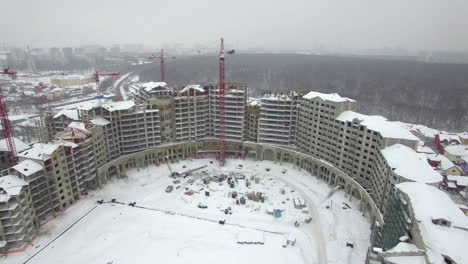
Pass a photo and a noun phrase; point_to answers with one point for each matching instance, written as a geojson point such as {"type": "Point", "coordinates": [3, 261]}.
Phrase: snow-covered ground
{"type": "Point", "coordinates": [170, 228]}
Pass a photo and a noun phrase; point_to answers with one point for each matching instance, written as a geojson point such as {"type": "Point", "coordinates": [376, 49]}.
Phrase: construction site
{"type": "Point", "coordinates": [196, 172]}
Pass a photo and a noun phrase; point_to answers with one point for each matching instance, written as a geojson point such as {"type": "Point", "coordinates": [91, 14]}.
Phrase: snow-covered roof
{"type": "Point", "coordinates": [19, 145]}
{"type": "Point", "coordinates": [39, 151]}
{"type": "Point", "coordinates": [85, 106]}
{"type": "Point", "coordinates": [254, 101]}
{"type": "Point", "coordinates": [100, 121]}
{"type": "Point", "coordinates": [445, 163]}
{"type": "Point", "coordinates": [430, 203]}
{"type": "Point", "coordinates": [424, 149]}
{"type": "Point", "coordinates": [463, 135]}
{"type": "Point", "coordinates": [334, 97]}
{"type": "Point", "coordinates": [379, 124]}
{"type": "Point", "coordinates": [457, 150]}
{"type": "Point", "coordinates": [116, 106]}
{"type": "Point", "coordinates": [12, 184]}
{"type": "Point", "coordinates": [194, 87]}
{"type": "Point", "coordinates": [65, 143]}
{"type": "Point", "coordinates": [410, 165]}
{"type": "Point", "coordinates": [78, 125]}
{"type": "Point", "coordinates": [70, 113]}
{"type": "Point", "coordinates": [276, 97]}
{"type": "Point", "coordinates": [148, 86]}
{"type": "Point", "coordinates": [449, 137]}
{"type": "Point", "coordinates": [425, 131]}
{"type": "Point", "coordinates": [460, 180]}
{"type": "Point", "coordinates": [27, 167]}
{"type": "Point", "coordinates": [403, 247]}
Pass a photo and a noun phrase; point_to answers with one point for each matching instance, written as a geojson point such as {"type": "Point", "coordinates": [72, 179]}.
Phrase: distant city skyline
{"type": "Point", "coordinates": [270, 25]}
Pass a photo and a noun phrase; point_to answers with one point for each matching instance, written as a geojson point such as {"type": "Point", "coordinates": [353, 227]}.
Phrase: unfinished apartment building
{"type": "Point", "coordinates": [89, 149]}
{"type": "Point", "coordinates": [329, 130]}
{"type": "Point", "coordinates": [192, 112]}
{"type": "Point", "coordinates": [34, 175]}
{"type": "Point", "coordinates": [252, 114]}
{"type": "Point", "coordinates": [191, 105]}
{"type": "Point", "coordinates": [157, 96]}
{"type": "Point", "coordinates": [235, 102]}
{"type": "Point", "coordinates": [277, 121]}
{"type": "Point", "coordinates": [18, 220]}
{"type": "Point", "coordinates": [55, 159]}
{"type": "Point", "coordinates": [127, 127]}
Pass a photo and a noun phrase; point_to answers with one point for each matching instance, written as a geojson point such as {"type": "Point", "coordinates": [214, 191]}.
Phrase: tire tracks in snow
{"type": "Point", "coordinates": [314, 229]}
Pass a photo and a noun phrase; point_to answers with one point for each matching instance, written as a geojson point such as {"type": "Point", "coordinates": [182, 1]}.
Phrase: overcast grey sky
{"type": "Point", "coordinates": [293, 24]}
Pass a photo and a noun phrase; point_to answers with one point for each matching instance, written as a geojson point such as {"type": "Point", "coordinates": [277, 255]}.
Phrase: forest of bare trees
{"type": "Point", "coordinates": [432, 94]}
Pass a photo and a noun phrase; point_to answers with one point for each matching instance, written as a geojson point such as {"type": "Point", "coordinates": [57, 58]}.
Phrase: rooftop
{"type": "Point", "coordinates": [460, 180]}
{"type": "Point", "coordinates": [193, 87]}
{"type": "Point", "coordinates": [116, 106]}
{"type": "Point", "coordinates": [148, 86]}
{"type": "Point", "coordinates": [379, 124]}
{"type": "Point", "coordinates": [445, 163]}
{"type": "Point", "coordinates": [12, 184]}
{"type": "Point", "coordinates": [78, 125]}
{"type": "Point", "coordinates": [70, 113]}
{"type": "Point", "coordinates": [449, 137]}
{"type": "Point", "coordinates": [100, 121]}
{"type": "Point", "coordinates": [430, 203]}
{"type": "Point", "coordinates": [410, 165]}
{"type": "Point", "coordinates": [457, 150]}
{"type": "Point", "coordinates": [27, 167]}
{"type": "Point", "coordinates": [39, 151]}
{"type": "Point", "coordinates": [19, 145]}
{"type": "Point", "coordinates": [334, 97]}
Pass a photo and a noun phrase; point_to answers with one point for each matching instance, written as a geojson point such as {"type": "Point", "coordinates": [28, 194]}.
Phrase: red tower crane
{"type": "Point", "coordinates": [7, 133]}
{"type": "Point", "coordinates": [161, 58]}
{"type": "Point", "coordinates": [222, 93]}
{"type": "Point", "coordinates": [96, 78]}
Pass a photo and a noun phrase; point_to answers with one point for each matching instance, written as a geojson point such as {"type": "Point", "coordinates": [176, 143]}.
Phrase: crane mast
{"type": "Point", "coordinates": [96, 79]}
{"type": "Point", "coordinates": [161, 64]}
{"type": "Point", "coordinates": [222, 125]}
{"type": "Point", "coordinates": [5, 120]}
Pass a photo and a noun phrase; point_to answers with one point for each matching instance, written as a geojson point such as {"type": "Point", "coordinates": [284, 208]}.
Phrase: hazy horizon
{"type": "Point", "coordinates": [261, 24]}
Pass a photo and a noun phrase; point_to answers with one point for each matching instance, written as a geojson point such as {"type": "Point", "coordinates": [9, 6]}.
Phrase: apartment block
{"type": "Point", "coordinates": [278, 116]}
{"type": "Point", "coordinates": [18, 220]}
{"type": "Point", "coordinates": [33, 174]}
{"type": "Point", "coordinates": [55, 159]}
{"type": "Point", "coordinates": [252, 115]}
{"type": "Point", "coordinates": [235, 102]}
{"type": "Point", "coordinates": [191, 105]}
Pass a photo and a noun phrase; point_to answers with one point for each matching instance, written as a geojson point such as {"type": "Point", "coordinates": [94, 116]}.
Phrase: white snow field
{"type": "Point", "coordinates": [170, 228]}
